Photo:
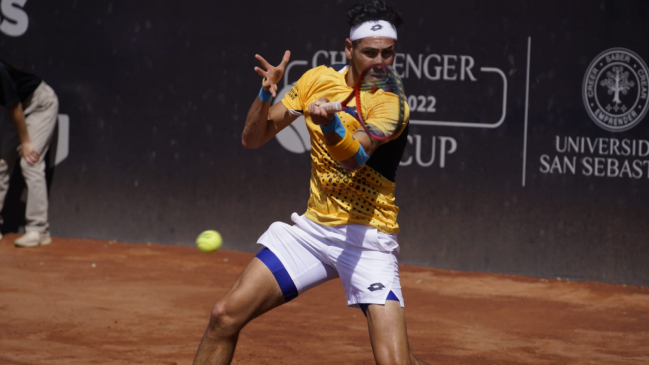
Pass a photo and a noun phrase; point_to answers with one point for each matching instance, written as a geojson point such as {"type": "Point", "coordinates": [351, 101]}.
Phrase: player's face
{"type": "Point", "coordinates": [370, 50]}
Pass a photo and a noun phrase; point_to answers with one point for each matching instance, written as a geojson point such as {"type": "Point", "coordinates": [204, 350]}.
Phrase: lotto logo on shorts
{"type": "Point", "coordinates": [376, 286]}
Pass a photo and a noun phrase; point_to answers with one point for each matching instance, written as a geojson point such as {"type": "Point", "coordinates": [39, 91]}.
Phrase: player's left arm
{"type": "Point", "coordinates": [351, 152]}
{"type": "Point", "coordinates": [264, 121]}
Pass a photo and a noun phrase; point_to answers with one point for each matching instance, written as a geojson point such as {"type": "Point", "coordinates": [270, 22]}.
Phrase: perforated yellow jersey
{"type": "Point", "coordinates": [365, 196]}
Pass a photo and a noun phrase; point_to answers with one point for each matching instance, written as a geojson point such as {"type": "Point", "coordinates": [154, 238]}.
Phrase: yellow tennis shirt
{"type": "Point", "coordinates": [365, 196]}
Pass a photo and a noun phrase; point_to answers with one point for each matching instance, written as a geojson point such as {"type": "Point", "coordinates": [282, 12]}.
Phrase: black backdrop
{"type": "Point", "coordinates": [157, 93]}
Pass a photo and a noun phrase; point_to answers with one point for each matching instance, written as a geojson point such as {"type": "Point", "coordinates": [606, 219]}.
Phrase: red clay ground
{"type": "Point", "coordinates": [99, 302]}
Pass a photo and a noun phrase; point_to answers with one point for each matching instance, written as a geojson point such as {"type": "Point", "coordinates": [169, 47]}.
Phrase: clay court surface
{"type": "Point", "coordinates": [101, 302]}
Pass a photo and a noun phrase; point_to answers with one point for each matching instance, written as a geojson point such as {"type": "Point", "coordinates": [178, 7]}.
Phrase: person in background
{"type": "Point", "coordinates": [33, 108]}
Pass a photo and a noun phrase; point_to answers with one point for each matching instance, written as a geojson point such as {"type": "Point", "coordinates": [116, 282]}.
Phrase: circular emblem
{"type": "Point", "coordinates": [616, 88]}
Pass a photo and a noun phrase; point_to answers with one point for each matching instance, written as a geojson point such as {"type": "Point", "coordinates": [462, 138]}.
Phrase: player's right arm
{"type": "Point", "coordinates": [351, 152]}
{"type": "Point", "coordinates": [265, 121]}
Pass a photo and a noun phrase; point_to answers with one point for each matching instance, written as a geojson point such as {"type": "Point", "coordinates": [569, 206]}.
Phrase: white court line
{"type": "Point", "coordinates": [527, 104]}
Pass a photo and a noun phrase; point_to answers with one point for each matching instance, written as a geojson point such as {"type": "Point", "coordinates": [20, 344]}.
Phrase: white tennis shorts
{"type": "Point", "coordinates": [364, 258]}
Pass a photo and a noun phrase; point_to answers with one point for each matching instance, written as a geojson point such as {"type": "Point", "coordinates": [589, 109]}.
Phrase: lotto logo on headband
{"type": "Point", "coordinates": [373, 28]}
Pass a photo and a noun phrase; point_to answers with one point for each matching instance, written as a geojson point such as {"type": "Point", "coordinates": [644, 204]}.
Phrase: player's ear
{"type": "Point", "coordinates": [348, 48]}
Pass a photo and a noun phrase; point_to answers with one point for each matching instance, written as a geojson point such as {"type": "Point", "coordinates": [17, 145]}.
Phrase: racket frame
{"type": "Point", "coordinates": [337, 106]}
{"type": "Point", "coordinates": [359, 111]}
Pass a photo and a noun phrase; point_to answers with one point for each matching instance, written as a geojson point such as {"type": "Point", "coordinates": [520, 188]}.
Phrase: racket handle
{"type": "Point", "coordinates": [332, 106]}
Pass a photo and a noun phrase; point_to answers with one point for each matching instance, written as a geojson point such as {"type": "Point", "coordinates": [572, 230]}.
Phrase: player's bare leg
{"type": "Point", "coordinates": [387, 326]}
{"type": "Point", "coordinates": [253, 293]}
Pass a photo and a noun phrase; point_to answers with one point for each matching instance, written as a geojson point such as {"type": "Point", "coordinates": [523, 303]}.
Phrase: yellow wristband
{"type": "Point", "coordinates": [344, 149]}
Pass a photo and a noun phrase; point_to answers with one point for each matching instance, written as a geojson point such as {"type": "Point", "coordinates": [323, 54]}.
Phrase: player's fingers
{"type": "Point", "coordinates": [263, 61]}
{"type": "Point", "coordinates": [314, 109]}
{"type": "Point", "coordinates": [273, 90]}
{"type": "Point", "coordinates": [285, 59]}
{"type": "Point", "coordinates": [24, 154]}
{"type": "Point", "coordinates": [260, 72]}
{"type": "Point", "coordinates": [321, 112]}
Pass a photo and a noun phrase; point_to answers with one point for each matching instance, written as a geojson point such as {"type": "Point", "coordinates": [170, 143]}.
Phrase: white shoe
{"type": "Point", "coordinates": [0, 236]}
{"type": "Point", "coordinates": [33, 239]}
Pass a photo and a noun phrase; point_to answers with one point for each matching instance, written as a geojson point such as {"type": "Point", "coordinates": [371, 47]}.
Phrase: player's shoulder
{"type": "Point", "coordinates": [326, 70]}
{"type": "Point", "coordinates": [324, 76]}
{"type": "Point", "coordinates": [337, 67]}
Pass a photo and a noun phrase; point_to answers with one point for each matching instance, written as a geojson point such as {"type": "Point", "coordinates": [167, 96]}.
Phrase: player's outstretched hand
{"type": "Point", "coordinates": [272, 74]}
{"type": "Point", "coordinates": [319, 116]}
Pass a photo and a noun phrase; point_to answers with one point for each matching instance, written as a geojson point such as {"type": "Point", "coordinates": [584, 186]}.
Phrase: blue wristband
{"type": "Point", "coordinates": [335, 126]}
{"type": "Point", "coordinates": [265, 96]}
{"type": "Point", "coordinates": [361, 157]}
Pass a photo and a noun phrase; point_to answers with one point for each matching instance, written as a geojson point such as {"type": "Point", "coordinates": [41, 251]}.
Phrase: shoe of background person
{"type": "Point", "coordinates": [33, 239]}
{"type": "Point", "coordinates": [0, 236]}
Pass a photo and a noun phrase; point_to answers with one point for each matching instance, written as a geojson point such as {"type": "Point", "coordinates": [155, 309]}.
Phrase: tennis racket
{"type": "Point", "coordinates": [380, 102]}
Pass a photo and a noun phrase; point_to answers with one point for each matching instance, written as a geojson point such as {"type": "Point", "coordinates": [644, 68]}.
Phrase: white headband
{"type": "Point", "coordinates": [373, 28]}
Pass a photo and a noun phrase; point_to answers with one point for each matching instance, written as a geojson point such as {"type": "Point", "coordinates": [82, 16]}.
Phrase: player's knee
{"type": "Point", "coordinates": [24, 164]}
{"type": "Point", "coordinates": [222, 321]}
{"type": "Point", "coordinates": [32, 170]}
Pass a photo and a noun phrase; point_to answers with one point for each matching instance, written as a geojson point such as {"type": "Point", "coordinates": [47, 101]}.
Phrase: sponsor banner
{"type": "Point", "coordinates": [528, 150]}
{"type": "Point", "coordinates": [13, 18]}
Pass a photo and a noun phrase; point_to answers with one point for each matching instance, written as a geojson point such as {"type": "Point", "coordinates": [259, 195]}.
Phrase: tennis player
{"type": "Point", "coordinates": [349, 230]}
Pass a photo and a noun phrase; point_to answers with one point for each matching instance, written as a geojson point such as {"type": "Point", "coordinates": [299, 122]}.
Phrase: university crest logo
{"type": "Point", "coordinates": [615, 89]}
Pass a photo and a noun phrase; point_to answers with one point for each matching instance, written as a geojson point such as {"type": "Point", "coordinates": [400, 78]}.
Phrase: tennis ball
{"type": "Point", "coordinates": [209, 241]}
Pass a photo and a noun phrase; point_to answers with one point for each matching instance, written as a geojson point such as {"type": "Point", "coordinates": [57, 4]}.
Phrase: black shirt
{"type": "Point", "coordinates": [16, 85]}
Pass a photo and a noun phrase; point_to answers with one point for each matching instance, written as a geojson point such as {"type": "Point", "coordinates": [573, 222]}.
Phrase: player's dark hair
{"type": "Point", "coordinates": [373, 10]}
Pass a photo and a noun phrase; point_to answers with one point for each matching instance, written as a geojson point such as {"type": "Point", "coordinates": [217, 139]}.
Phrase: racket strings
{"type": "Point", "coordinates": [381, 107]}
{"type": "Point", "coordinates": [381, 114]}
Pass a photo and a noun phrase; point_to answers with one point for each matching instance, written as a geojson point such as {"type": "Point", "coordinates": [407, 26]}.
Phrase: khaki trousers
{"type": "Point", "coordinates": [41, 110]}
